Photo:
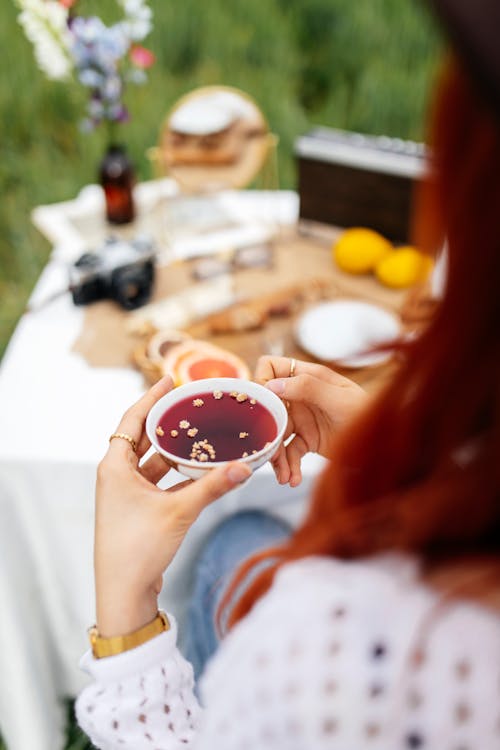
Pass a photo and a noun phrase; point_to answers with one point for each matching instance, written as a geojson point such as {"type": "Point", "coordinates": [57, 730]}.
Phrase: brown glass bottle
{"type": "Point", "coordinates": [117, 178]}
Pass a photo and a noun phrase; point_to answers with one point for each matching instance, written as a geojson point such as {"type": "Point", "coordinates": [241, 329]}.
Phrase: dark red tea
{"type": "Point", "coordinates": [216, 426]}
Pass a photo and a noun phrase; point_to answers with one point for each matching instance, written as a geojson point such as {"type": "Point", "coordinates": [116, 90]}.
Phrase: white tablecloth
{"type": "Point", "coordinates": [56, 415]}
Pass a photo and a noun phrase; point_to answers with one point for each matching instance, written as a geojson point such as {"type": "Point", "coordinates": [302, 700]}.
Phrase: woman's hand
{"type": "Point", "coordinates": [140, 527]}
{"type": "Point", "coordinates": [320, 402]}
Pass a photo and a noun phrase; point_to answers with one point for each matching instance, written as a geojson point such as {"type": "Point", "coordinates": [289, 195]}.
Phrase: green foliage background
{"type": "Point", "coordinates": [366, 65]}
{"type": "Point", "coordinates": [363, 65]}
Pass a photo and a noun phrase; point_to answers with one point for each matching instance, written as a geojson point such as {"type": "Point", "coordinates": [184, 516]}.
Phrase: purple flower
{"type": "Point", "coordinates": [104, 60]}
{"type": "Point", "coordinates": [112, 88]}
{"type": "Point", "coordinates": [90, 78]}
{"type": "Point", "coordinates": [118, 113]}
{"type": "Point", "coordinates": [95, 109]}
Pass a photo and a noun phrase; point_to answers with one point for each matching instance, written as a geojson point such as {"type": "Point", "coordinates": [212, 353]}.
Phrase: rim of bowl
{"type": "Point", "coordinates": [151, 428]}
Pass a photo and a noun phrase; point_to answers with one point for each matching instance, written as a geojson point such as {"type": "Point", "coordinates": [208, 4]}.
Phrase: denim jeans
{"type": "Point", "coordinates": [232, 542]}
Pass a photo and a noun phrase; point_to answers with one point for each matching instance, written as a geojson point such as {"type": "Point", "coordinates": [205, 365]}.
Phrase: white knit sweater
{"type": "Point", "coordinates": [347, 655]}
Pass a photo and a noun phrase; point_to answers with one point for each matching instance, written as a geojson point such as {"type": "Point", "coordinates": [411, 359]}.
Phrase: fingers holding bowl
{"type": "Point", "coordinates": [154, 468]}
{"type": "Point", "coordinates": [295, 452]}
{"type": "Point", "coordinates": [132, 422]}
{"type": "Point", "coordinates": [197, 495]}
{"type": "Point", "coordinates": [270, 368]}
{"type": "Point", "coordinates": [280, 465]}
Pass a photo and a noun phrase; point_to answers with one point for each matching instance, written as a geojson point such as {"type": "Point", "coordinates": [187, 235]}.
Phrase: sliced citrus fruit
{"type": "Point", "coordinates": [162, 341]}
{"type": "Point", "coordinates": [174, 357]}
{"type": "Point", "coordinates": [404, 267]}
{"type": "Point", "coordinates": [199, 366]}
{"type": "Point", "coordinates": [359, 250]}
{"type": "Point", "coordinates": [195, 360]}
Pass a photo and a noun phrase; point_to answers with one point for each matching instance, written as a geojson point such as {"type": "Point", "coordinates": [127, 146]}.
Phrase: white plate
{"type": "Point", "coordinates": [343, 331]}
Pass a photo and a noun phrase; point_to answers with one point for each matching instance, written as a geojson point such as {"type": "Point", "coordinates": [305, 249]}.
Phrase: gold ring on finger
{"type": "Point", "coordinates": [293, 365]}
{"type": "Point", "coordinates": [124, 436]}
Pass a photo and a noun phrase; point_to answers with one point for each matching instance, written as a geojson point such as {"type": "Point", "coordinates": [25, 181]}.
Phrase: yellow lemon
{"type": "Point", "coordinates": [359, 250]}
{"type": "Point", "coordinates": [403, 267]}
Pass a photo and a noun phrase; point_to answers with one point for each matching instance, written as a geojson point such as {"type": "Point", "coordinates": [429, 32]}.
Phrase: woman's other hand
{"type": "Point", "coordinates": [140, 527]}
{"type": "Point", "coordinates": [320, 402]}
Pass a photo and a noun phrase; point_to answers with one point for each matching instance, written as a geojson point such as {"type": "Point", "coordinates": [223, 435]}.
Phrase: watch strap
{"type": "Point", "coordinates": [117, 644]}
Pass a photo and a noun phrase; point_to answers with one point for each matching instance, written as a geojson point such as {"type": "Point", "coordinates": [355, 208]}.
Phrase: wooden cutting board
{"type": "Point", "coordinates": [298, 261]}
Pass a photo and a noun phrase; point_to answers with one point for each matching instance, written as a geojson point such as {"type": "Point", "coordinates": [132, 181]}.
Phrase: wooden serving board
{"type": "Point", "coordinates": [298, 261]}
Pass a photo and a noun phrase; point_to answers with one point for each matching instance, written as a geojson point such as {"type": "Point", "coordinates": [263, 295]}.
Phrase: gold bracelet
{"type": "Point", "coordinates": [117, 644]}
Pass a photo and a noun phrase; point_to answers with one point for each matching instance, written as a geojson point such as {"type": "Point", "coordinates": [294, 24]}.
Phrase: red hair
{"type": "Point", "coordinates": [419, 469]}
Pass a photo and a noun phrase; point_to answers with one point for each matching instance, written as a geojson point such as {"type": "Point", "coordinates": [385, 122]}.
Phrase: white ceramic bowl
{"type": "Point", "coordinates": [194, 469]}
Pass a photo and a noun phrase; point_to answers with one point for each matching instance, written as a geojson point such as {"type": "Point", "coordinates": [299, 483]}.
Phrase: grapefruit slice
{"type": "Point", "coordinates": [195, 360]}
{"type": "Point", "coordinates": [162, 341]}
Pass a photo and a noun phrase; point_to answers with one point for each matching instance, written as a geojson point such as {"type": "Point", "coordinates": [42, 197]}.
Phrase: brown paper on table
{"type": "Point", "coordinates": [104, 341]}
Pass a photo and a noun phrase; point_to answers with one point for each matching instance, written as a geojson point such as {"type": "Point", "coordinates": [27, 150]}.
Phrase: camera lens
{"type": "Point", "coordinates": [84, 281]}
{"type": "Point", "coordinates": [88, 291]}
{"type": "Point", "coordinates": [131, 285]}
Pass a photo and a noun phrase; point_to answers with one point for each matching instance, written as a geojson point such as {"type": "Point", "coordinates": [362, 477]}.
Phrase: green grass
{"type": "Point", "coordinates": [75, 738]}
{"type": "Point", "coordinates": [366, 65]}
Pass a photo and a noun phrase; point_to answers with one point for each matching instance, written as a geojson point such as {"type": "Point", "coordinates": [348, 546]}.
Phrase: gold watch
{"type": "Point", "coordinates": [117, 644]}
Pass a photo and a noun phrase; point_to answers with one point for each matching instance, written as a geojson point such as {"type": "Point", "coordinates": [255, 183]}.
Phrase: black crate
{"type": "Point", "coordinates": [348, 179]}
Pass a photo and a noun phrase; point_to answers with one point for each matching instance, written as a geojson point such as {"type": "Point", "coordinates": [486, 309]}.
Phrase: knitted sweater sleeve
{"type": "Point", "coordinates": [142, 699]}
{"type": "Point", "coordinates": [337, 655]}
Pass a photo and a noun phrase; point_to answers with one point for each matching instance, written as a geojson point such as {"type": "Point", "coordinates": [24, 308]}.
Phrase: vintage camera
{"type": "Point", "coordinates": [119, 270]}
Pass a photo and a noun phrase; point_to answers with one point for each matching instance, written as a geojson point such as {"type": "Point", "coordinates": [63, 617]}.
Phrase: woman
{"type": "Point", "coordinates": [377, 623]}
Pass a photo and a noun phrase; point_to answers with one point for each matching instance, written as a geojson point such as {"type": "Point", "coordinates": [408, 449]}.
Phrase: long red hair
{"type": "Point", "coordinates": [419, 470]}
